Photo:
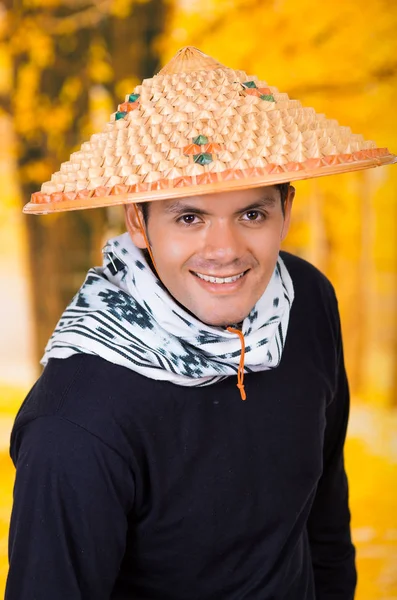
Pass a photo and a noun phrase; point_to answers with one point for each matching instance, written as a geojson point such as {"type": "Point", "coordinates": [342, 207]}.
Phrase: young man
{"type": "Point", "coordinates": [141, 473]}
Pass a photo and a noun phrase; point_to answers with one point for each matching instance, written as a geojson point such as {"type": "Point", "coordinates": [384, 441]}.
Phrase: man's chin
{"type": "Point", "coordinates": [214, 317]}
{"type": "Point", "coordinates": [221, 321]}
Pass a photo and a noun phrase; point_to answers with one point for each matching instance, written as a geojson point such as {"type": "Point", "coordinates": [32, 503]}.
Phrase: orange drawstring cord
{"type": "Point", "coordinates": [240, 372]}
{"type": "Point", "coordinates": [143, 231]}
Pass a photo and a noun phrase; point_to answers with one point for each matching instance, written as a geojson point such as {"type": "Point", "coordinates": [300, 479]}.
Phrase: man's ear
{"type": "Point", "coordinates": [133, 224]}
{"type": "Point", "coordinates": [287, 212]}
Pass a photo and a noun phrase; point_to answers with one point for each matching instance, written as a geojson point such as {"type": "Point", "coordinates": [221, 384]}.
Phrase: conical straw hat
{"type": "Point", "coordinates": [199, 127]}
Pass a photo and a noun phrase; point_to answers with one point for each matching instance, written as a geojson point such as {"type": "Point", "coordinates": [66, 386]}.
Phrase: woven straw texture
{"type": "Point", "coordinates": [199, 127]}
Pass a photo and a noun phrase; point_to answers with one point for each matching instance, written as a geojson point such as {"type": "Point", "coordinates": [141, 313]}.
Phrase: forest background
{"type": "Point", "coordinates": [64, 67]}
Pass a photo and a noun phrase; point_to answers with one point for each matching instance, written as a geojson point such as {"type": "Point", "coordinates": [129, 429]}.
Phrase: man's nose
{"type": "Point", "coordinates": [222, 241]}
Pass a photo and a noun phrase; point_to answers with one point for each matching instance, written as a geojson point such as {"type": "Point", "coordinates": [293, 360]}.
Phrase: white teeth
{"type": "Point", "coordinates": [220, 279]}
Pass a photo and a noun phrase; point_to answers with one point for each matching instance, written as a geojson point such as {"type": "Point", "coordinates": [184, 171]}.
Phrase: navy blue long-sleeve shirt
{"type": "Point", "coordinates": [133, 489]}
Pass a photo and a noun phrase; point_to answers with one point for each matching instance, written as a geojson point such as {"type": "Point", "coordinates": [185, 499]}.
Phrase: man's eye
{"type": "Point", "coordinates": [188, 219]}
{"type": "Point", "coordinates": [254, 215]}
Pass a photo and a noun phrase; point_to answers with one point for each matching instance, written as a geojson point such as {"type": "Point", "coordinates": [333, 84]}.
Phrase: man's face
{"type": "Point", "coordinates": [216, 253]}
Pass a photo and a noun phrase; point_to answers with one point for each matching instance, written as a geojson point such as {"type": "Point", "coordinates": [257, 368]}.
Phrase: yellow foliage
{"type": "Point", "coordinates": [126, 86]}
{"type": "Point", "coordinates": [57, 120]}
{"type": "Point", "coordinates": [5, 70]}
{"type": "Point", "coordinates": [4, 24]}
{"type": "Point", "coordinates": [71, 90]}
{"type": "Point", "coordinates": [41, 3]}
{"type": "Point", "coordinates": [41, 48]}
{"type": "Point", "coordinates": [100, 107]}
{"type": "Point", "coordinates": [99, 69]}
{"type": "Point", "coordinates": [35, 172]}
{"type": "Point", "coordinates": [25, 110]}
{"type": "Point", "coordinates": [121, 8]}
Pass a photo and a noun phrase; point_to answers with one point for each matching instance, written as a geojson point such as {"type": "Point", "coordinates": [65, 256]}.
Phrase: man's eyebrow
{"type": "Point", "coordinates": [265, 202]}
{"type": "Point", "coordinates": [179, 207]}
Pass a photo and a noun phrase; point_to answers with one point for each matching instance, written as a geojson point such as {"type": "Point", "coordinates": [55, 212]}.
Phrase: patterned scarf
{"type": "Point", "coordinates": [124, 314]}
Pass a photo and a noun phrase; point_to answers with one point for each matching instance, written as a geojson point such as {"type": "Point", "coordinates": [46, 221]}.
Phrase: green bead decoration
{"type": "Point", "coordinates": [250, 84]}
{"type": "Point", "coordinates": [200, 140]}
{"type": "Point", "coordinates": [133, 97]}
{"type": "Point", "coordinates": [203, 159]}
{"type": "Point", "coordinates": [120, 114]}
{"type": "Point", "coordinates": [268, 97]}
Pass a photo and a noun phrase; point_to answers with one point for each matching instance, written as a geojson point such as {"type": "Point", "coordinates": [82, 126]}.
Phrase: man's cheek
{"type": "Point", "coordinates": [175, 251]}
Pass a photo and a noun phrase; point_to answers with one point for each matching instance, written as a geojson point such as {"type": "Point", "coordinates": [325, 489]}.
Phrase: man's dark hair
{"type": "Point", "coordinates": [283, 187]}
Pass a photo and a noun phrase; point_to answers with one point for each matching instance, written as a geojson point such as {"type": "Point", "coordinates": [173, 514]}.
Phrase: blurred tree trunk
{"type": "Point", "coordinates": [53, 78]}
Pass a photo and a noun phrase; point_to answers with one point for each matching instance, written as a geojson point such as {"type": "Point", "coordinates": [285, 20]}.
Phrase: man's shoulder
{"type": "Point", "coordinates": [84, 390]}
{"type": "Point", "coordinates": [75, 376]}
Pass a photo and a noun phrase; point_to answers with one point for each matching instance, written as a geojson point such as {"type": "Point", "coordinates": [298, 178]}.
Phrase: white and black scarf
{"type": "Point", "coordinates": [124, 314]}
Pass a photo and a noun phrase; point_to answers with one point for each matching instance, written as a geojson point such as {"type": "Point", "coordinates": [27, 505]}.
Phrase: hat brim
{"type": "Point", "coordinates": [169, 191]}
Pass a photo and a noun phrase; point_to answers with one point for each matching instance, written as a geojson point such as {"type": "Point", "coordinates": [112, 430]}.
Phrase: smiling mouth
{"type": "Point", "coordinates": [220, 280]}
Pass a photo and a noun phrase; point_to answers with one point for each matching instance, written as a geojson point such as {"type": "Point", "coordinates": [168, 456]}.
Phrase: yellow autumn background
{"type": "Point", "coordinates": [338, 57]}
